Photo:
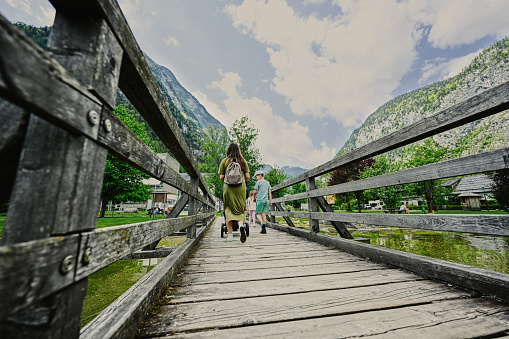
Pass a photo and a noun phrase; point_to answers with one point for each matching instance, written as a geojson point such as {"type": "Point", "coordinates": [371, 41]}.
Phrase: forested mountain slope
{"type": "Point", "coordinates": [192, 118]}
{"type": "Point", "coordinates": [490, 68]}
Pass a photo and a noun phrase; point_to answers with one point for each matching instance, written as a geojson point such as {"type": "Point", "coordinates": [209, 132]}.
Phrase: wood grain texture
{"type": "Point", "coordinates": [489, 102]}
{"type": "Point", "coordinates": [471, 223]}
{"type": "Point", "coordinates": [122, 318]}
{"type": "Point", "coordinates": [138, 83]}
{"type": "Point", "coordinates": [113, 243]}
{"type": "Point", "coordinates": [476, 279]}
{"type": "Point", "coordinates": [41, 84]}
{"type": "Point", "coordinates": [231, 295]}
{"type": "Point", "coordinates": [472, 164]}
{"type": "Point", "coordinates": [471, 318]}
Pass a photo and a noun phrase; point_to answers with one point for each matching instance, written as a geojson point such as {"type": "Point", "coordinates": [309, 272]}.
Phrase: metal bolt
{"type": "Point", "coordinates": [93, 118]}
{"type": "Point", "coordinates": [87, 255]}
{"type": "Point", "coordinates": [67, 264]}
{"type": "Point", "coordinates": [107, 125]}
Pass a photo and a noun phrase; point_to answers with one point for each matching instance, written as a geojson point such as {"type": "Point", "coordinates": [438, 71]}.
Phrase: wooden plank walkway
{"type": "Point", "coordinates": [281, 286]}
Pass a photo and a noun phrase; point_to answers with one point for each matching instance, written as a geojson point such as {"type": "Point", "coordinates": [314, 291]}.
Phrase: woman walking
{"type": "Point", "coordinates": [234, 196]}
{"type": "Point", "coordinates": [251, 208]}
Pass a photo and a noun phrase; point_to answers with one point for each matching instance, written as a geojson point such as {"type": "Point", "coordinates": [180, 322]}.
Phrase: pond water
{"type": "Point", "coordinates": [483, 251]}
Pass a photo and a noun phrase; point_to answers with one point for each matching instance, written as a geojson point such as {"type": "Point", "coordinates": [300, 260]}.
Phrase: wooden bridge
{"type": "Point", "coordinates": [57, 127]}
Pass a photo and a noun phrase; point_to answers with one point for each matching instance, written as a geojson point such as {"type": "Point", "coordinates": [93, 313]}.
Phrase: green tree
{"type": "Point", "coordinates": [276, 176]}
{"type": "Point", "coordinates": [389, 195]}
{"type": "Point", "coordinates": [501, 187]}
{"type": "Point", "coordinates": [427, 152]}
{"type": "Point", "coordinates": [123, 182]}
{"type": "Point", "coordinates": [214, 147]}
{"type": "Point", "coordinates": [244, 133]}
{"type": "Point", "coordinates": [295, 189]}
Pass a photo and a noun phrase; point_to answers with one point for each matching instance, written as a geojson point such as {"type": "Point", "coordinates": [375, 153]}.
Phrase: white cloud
{"type": "Point", "coordinates": [457, 22]}
{"type": "Point", "coordinates": [170, 40]}
{"type": "Point", "coordinates": [343, 67]}
{"type": "Point", "coordinates": [441, 68]}
{"type": "Point", "coordinates": [278, 139]}
{"type": "Point", "coordinates": [34, 8]}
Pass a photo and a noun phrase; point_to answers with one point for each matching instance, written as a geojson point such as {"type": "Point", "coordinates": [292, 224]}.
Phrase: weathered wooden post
{"type": "Point", "coordinates": [312, 205]}
{"type": "Point", "coordinates": [193, 207]}
{"type": "Point", "coordinates": [63, 174]}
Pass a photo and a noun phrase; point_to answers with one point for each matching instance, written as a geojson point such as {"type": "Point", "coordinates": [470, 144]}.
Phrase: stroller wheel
{"type": "Point", "coordinates": [222, 230]}
{"type": "Point", "coordinates": [247, 229]}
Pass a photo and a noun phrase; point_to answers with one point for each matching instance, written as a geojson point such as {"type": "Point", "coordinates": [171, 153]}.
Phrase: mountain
{"type": "Point", "coordinates": [192, 118]}
{"type": "Point", "coordinates": [489, 69]}
{"type": "Point", "coordinates": [185, 101]}
{"type": "Point", "coordinates": [291, 171]}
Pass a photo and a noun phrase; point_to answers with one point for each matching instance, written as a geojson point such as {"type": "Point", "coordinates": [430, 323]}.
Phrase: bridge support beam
{"type": "Point", "coordinates": [312, 205]}
{"type": "Point", "coordinates": [193, 208]}
{"type": "Point", "coordinates": [62, 173]}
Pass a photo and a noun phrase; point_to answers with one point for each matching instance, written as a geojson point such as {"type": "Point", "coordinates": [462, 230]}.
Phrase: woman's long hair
{"type": "Point", "coordinates": [234, 153]}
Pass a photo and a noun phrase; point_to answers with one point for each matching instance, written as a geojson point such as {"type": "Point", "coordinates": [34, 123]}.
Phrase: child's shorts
{"type": "Point", "coordinates": [262, 206]}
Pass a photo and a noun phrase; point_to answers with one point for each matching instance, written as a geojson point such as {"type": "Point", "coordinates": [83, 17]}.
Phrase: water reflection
{"type": "Point", "coordinates": [483, 251]}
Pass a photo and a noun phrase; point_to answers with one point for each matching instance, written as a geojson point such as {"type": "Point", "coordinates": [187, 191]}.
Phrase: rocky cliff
{"type": "Point", "coordinates": [490, 68]}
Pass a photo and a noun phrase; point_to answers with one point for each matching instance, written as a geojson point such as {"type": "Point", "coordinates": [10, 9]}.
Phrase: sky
{"type": "Point", "coordinates": [305, 72]}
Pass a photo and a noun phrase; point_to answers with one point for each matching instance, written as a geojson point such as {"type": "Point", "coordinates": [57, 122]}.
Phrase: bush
{"type": "Point", "coordinates": [454, 207]}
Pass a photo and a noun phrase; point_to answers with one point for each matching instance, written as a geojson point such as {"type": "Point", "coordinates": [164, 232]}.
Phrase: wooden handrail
{"type": "Point", "coordinates": [489, 102]}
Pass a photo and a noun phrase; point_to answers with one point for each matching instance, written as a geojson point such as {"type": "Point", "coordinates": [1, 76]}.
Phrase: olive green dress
{"type": "Point", "coordinates": [234, 197]}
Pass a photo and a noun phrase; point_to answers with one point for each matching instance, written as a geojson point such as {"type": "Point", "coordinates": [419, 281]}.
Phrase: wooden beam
{"type": "Point", "coordinates": [40, 83]}
{"type": "Point", "coordinates": [471, 223]}
{"type": "Point", "coordinates": [472, 164]}
{"type": "Point", "coordinates": [138, 83]}
{"type": "Point", "coordinates": [32, 270]}
{"type": "Point", "coordinates": [279, 207]}
{"type": "Point", "coordinates": [338, 225]}
{"type": "Point", "coordinates": [312, 205]}
{"type": "Point", "coordinates": [123, 317]}
{"type": "Point", "coordinates": [107, 245]}
{"type": "Point", "coordinates": [160, 252]}
{"type": "Point", "coordinates": [483, 281]}
{"type": "Point", "coordinates": [489, 102]}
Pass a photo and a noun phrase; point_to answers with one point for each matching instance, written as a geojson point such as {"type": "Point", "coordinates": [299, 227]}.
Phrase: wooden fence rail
{"type": "Point", "coordinates": [489, 102]}
{"type": "Point", "coordinates": [56, 112]}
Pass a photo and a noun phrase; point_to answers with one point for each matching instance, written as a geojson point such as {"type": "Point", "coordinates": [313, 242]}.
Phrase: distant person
{"type": "Point", "coordinates": [234, 195]}
{"type": "Point", "coordinates": [263, 192]}
{"type": "Point", "coordinates": [403, 208]}
{"type": "Point", "coordinates": [156, 210]}
{"type": "Point", "coordinates": [251, 208]}
{"type": "Point", "coordinates": [221, 206]}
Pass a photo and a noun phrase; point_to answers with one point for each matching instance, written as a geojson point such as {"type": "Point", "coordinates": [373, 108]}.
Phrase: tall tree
{"type": "Point", "coordinates": [350, 172]}
{"type": "Point", "coordinates": [214, 149]}
{"type": "Point", "coordinates": [500, 187]}
{"type": "Point", "coordinates": [389, 195]}
{"type": "Point", "coordinates": [244, 133]}
{"type": "Point", "coordinates": [123, 182]}
{"type": "Point", "coordinates": [276, 176]}
{"type": "Point", "coordinates": [427, 152]}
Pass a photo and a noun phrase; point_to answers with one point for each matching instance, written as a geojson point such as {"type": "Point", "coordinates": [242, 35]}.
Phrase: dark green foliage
{"type": "Point", "coordinates": [501, 187]}
{"type": "Point", "coordinates": [276, 176]}
{"type": "Point", "coordinates": [244, 133]}
{"type": "Point", "coordinates": [123, 182]}
{"type": "Point", "coordinates": [39, 34]}
{"type": "Point", "coordinates": [295, 189]}
{"type": "Point", "coordinates": [214, 151]}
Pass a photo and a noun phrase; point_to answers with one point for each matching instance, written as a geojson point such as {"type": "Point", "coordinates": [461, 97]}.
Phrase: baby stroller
{"type": "Point", "coordinates": [235, 227]}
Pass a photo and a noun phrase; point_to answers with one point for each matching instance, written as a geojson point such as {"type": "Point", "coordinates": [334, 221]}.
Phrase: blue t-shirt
{"type": "Point", "coordinates": [262, 188]}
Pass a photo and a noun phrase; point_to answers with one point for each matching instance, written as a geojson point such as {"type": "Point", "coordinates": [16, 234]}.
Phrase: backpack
{"type": "Point", "coordinates": [233, 174]}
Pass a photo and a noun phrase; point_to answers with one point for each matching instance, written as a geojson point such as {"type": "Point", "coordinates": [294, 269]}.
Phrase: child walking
{"type": "Point", "coordinates": [263, 199]}
{"type": "Point", "coordinates": [251, 208]}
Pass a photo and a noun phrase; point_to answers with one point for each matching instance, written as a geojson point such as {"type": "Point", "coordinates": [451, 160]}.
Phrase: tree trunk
{"type": "Point", "coordinates": [103, 208]}
{"type": "Point", "coordinates": [428, 194]}
{"type": "Point", "coordinates": [358, 197]}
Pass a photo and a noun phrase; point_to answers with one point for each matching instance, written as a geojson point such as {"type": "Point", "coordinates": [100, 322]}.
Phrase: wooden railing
{"type": "Point", "coordinates": [490, 102]}
{"type": "Point", "coordinates": [57, 128]}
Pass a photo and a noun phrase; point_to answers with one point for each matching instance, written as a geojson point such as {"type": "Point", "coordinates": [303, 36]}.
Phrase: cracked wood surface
{"type": "Point", "coordinates": [281, 286]}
